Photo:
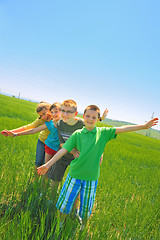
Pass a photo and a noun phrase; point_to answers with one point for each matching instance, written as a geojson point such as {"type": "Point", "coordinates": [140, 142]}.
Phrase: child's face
{"type": "Point", "coordinates": [90, 119]}
{"type": "Point", "coordinates": [56, 114]}
{"type": "Point", "coordinates": [45, 115]}
{"type": "Point", "coordinates": [68, 113]}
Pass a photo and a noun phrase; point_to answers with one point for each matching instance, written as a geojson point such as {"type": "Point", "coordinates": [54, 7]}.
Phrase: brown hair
{"type": "Point", "coordinates": [55, 105]}
{"type": "Point", "coordinates": [42, 102]}
{"type": "Point", "coordinates": [70, 103]}
{"type": "Point", "coordinates": [94, 108]}
{"type": "Point", "coordinates": [43, 105]}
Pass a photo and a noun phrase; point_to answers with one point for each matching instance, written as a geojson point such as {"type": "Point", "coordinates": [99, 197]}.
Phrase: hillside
{"type": "Point", "coordinates": [150, 133]}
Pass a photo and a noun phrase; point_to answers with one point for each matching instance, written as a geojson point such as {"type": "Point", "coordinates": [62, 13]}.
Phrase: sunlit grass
{"type": "Point", "coordinates": [127, 199]}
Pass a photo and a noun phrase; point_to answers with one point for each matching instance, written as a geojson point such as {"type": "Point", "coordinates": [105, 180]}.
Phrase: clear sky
{"type": "Point", "coordinates": [95, 52]}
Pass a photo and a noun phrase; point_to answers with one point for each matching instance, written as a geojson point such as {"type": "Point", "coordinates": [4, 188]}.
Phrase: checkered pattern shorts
{"type": "Point", "coordinates": [69, 193]}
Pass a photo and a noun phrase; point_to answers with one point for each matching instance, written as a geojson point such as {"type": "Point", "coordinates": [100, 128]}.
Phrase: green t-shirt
{"type": "Point", "coordinates": [91, 145]}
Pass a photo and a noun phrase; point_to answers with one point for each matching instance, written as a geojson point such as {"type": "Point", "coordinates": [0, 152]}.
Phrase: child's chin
{"type": "Point", "coordinates": [49, 118]}
{"type": "Point", "coordinates": [65, 120]}
{"type": "Point", "coordinates": [56, 119]}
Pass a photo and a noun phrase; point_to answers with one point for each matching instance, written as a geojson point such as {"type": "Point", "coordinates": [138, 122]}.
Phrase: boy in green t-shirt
{"type": "Point", "coordinates": [84, 170]}
{"type": "Point", "coordinates": [68, 124]}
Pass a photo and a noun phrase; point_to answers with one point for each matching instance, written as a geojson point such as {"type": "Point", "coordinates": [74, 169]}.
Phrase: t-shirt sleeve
{"type": "Point", "coordinates": [34, 124]}
{"type": "Point", "coordinates": [70, 143]}
{"type": "Point", "coordinates": [110, 134]}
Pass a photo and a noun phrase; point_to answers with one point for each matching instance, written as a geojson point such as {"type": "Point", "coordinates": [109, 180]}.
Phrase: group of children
{"type": "Point", "coordinates": [69, 140]}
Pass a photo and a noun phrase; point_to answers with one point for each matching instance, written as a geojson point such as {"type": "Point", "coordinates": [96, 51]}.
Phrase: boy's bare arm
{"type": "Point", "coordinates": [5, 131]}
{"type": "Point", "coordinates": [132, 128]}
{"type": "Point", "coordinates": [34, 124]}
{"type": "Point", "coordinates": [44, 168]}
{"type": "Point", "coordinates": [74, 151]}
{"type": "Point", "coordinates": [26, 132]}
{"type": "Point", "coordinates": [33, 130]}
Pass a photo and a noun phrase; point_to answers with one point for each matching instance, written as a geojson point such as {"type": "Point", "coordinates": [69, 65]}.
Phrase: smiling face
{"type": "Point", "coordinates": [90, 119]}
{"type": "Point", "coordinates": [68, 113]}
{"type": "Point", "coordinates": [56, 114]}
{"type": "Point", "coordinates": [45, 115]}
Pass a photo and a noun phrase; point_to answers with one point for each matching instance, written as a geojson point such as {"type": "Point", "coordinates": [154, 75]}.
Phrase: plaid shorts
{"type": "Point", "coordinates": [69, 193]}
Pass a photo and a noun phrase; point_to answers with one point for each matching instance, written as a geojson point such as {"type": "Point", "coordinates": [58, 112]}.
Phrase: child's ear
{"type": "Point", "coordinates": [76, 113]}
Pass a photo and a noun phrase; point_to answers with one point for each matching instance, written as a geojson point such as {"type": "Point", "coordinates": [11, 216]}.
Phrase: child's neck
{"type": "Point", "coordinates": [72, 121]}
{"type": "Point", "coordinates": [89, 129]}
{"type": "Point", "coordinates": [55, 122]}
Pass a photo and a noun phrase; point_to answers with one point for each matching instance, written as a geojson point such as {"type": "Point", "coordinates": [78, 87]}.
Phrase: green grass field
{"type": "Point", "coordinates": [127, 198]}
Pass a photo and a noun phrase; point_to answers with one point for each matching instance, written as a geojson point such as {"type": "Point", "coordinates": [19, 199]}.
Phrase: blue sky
{"type": "Point", "coordinates": [95, 52]}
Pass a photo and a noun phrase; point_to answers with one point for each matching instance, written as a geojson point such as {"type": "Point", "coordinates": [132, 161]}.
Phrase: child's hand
{"type": "Point", "coordinates": [151, 123]}
{"type": "Point", "coordinates": [104, 114]}
{"type": "Point", "coordinates": [42, 169]}
{"type": "Point", "coordinates": [7, 133]}
{"type": "Point", "coordinates": [101, 159]}
{"type": "Point", "coordinates": [4, 133]}
{"type": "Point", "coordinates": [75, 153]}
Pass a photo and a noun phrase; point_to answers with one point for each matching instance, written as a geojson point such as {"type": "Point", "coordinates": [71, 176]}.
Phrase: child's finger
{"type": "Point", "coordinates": [4, 133]}
{"type": "Point", "coordinates": [39, 171]}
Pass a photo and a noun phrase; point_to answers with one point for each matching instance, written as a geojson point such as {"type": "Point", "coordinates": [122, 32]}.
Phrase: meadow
{"type": "Point", "coordinates": [127, 199]}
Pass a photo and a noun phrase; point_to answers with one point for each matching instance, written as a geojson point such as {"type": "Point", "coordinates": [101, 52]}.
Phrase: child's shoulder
{"type": "Point", "coordinates": [50, 121]}
{"type": "Point", "coordinates": [79, 119]}
{"type": "Point", "coordinates": [77, 133]}
{"type": "Point", "coordinates": [40, 121]}
{"type": "Point", "coordinates": [79, 123]}
{"type": "Point", "coordinates": [60, 122]}
{"type": "Point", "coordinates": [104, 129]}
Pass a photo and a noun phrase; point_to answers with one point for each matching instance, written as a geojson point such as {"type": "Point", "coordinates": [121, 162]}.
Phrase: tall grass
{"type": "Point", "coordinates": [127, 198]}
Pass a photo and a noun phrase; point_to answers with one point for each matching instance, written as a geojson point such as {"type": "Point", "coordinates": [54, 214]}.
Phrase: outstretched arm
{"type": "Point", "coordinates": [38, 122]}
{"type": "Point", "coordinates": [104, 114]}
{"type": "Point", "coordinates": [44, 168]}
{"type": "Point", "coordinates": [132, 128]}
{"type": "Point", "coordinates": [27, 132]}
{"type": "Point", "coordinates": [5, 131]}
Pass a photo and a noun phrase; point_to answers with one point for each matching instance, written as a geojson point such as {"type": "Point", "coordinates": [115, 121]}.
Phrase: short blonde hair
{"type": "Point", "coordinates": [55, 105]}
{"type": "Point", "coordinates": [70, 103]}
{"type": "Point", "coordinates": [43, 105]}
{"type": "Point", "coordinates": [94, 108]}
